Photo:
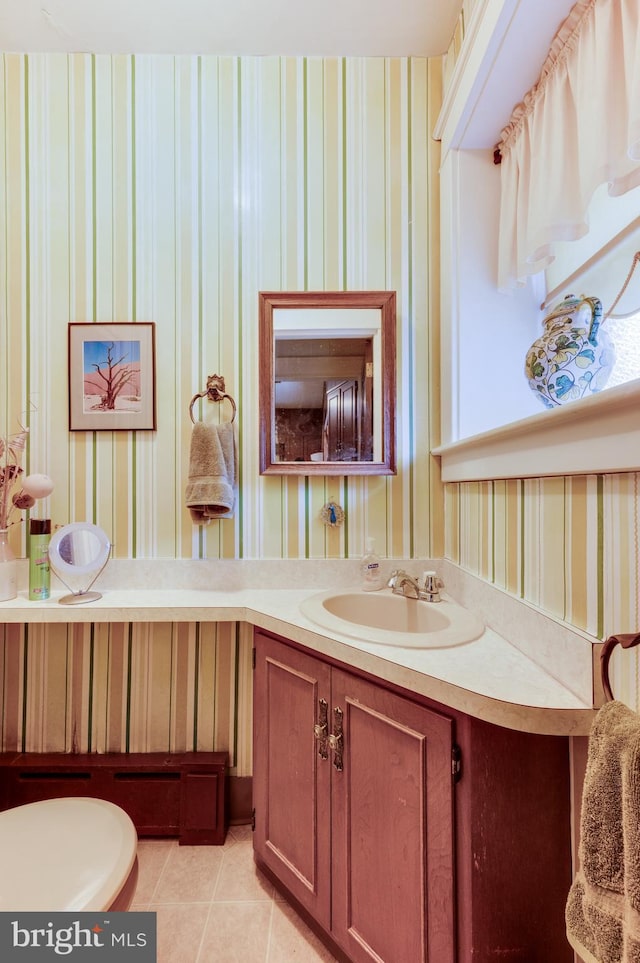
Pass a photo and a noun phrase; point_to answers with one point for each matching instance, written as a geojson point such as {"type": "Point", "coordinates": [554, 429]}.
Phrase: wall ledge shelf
{"type": "Point", "coordinates": [600, 434]}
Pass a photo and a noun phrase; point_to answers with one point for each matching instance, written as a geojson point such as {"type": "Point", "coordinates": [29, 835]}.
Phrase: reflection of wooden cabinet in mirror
{"type": "Point", "coordinates": [327, 382]}
{"type": "Point", "coordinates": [343, 425]}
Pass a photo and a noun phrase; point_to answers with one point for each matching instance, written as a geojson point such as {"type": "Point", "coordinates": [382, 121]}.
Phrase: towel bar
{"type": "Point", "coordinates": [627, 641]}
{"type": "Point", "coordinates": [215, 391]}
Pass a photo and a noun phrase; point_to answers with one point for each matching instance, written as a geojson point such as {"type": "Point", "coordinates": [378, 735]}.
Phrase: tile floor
{"type": "Point", "coordinates": [213, 906]}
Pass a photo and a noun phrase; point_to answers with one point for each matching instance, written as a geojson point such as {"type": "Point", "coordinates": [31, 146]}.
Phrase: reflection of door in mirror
{"type": "Point", "coordinates": [342, 423]}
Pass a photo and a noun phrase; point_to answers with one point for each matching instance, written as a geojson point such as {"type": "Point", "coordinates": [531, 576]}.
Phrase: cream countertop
{"type": "Point", "coordinates": [490, 678]}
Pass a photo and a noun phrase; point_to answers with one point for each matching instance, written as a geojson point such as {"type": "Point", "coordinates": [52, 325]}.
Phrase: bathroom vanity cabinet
{"type": "Point", "coordinates": [403, 830]}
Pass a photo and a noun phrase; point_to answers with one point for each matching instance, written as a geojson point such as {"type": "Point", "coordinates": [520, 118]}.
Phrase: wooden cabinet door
{"type": "Point", "coordinates": [393, 843]}
{"type": "Point", "coordinates": [291, 781]}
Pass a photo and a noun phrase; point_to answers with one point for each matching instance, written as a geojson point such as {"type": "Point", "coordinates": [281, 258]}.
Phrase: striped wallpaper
{"type": "Point", "coordinates": [128, 688]}
{"type": "Point", "coordinates": [568, 545]}
{"type": "Point", "coordinates": [172, 189]}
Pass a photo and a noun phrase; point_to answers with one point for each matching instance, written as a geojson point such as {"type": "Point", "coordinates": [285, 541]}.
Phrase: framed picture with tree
{"type": "Point", "coordinates": [112, 380]}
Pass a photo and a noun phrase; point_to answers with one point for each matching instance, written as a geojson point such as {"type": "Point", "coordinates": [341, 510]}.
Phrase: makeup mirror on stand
{"type": "Point", "coordinates": [78, 552]}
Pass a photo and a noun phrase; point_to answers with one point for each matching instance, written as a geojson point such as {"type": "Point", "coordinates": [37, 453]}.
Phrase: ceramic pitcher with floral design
{"type": "Point", "coordinates": [574, 356]}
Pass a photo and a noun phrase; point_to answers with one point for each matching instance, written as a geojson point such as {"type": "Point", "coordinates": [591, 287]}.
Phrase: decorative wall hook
{"type": "Point", "coordinates": [332, 514]}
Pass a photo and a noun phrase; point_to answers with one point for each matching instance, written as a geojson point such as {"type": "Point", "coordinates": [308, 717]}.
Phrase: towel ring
{"type": "Point", "coordinates": [627, 641]}
{"type": "Point", "coordinates": [215, 391]}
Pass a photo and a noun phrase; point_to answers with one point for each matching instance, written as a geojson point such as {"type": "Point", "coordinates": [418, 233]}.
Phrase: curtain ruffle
{"type": "Point", "coordinates": [577, 128]}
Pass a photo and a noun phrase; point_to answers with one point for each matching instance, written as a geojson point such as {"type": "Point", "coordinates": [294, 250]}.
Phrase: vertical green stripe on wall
{"type": "Point", "coordinates": [92, 643]}
{"type": "Point", "coordinates": [3, 658]}
{"type": "Point", "coordinates": [236, 692]}
{"type": "Point", "coordinates": [134, 298]}
{"type": "Point", "coordinates": [214, 682]}
{"type": "Point", "coordinates": [94, 469]}
{"type": "Point", "coordinates": [521, 547]}
{"type": "Point", "coordinates": [307, 514]}
{"type": "Point", "coordinates": [345, 505]}
{"type": "Point", "coordinates": [344, 175]}
{"type": "Point", "coordinates": [94, 195]}
{"type": "Point", "coordinates": [305, 176]}
{"type": "Point", "coordinates": [324, 172]}
{"type": "Point", "coordinates": [127, 724]}
{"type": "Point", "coordinates": [412, 322]}
{"type": "Point", "coordinates": [134, 316]}
{"type": "Point", "coordinates": [5, 269]}
{"type": "Point", "coordinates": [635, 580]}
{"type": "Point", "coordinates": [241, 173]}
{"type": "Point", "coordinates": [566, 575]}
{"type": "Point", "coordinates": [171, 714]}
{"type": "Point", "coordinates": [134, 489]}
{"type": "Point", "coordinates": [196, 687]}
{"type": "Point", "coordinates": [281, 161]}
{"type": "Point", "coordinates": [27, 239]}
{"type": "Point", "coordinates": [200, 229]}
{"type": "Point", "coordinates": [199, 211]}
{"type": "Point", "coordinates": [25, 689]}
{"type": "Point", "coordinates": [68, 689]}
{"type": "Point", "coordinates": [201, 539]}
{"type": "Point", "coordinates": [600, 556]}
{"type": "Point", "coordinates": [493, 532]}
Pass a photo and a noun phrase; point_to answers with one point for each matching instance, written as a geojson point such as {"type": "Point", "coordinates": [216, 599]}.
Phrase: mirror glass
{"type": "Point", "coordinates": [78, 552]}
{"type": "Point", "coordinates": [327, 382]}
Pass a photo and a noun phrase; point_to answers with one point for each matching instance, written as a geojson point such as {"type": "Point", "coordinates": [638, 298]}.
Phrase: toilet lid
{"type": "Point", "coordinates": [68, 854]}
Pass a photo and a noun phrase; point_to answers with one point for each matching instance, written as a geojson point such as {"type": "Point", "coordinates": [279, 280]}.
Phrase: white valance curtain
{"type": "Point", "coordinates": [577, 128]}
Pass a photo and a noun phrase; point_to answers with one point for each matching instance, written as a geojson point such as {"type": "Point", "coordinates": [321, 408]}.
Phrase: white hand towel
{"type": "Point", "coordinates": [212, 472]}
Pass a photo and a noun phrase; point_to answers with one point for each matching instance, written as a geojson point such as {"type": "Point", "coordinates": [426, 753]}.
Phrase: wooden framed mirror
{"type": "Point", "coordinates": [327, 382]}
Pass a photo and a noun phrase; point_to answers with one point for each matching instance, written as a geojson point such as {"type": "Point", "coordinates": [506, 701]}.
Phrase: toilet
{"type": "Point", "coordinates": [70, 854]}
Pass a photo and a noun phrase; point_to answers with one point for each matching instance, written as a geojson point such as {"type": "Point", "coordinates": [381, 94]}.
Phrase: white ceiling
{"type": "Point", "coordinates": [288, 27]}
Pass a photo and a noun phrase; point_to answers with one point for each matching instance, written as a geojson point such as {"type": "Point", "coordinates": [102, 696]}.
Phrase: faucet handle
{"type": "Point", "coordinates": [432, 580]}
{"type": "Point", "coordinates": [432, 584]}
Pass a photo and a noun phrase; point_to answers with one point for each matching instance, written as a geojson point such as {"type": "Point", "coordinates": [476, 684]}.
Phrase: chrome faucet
{"type": "Point", "coordinates": [401, 583]}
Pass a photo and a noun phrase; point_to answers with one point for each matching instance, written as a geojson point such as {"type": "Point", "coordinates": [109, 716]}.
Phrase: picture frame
{"type": "Point", "coordinates": [112, 376]}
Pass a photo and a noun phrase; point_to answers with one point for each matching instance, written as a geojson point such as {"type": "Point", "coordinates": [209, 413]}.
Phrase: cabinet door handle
{"type": "Point", "coordinates": [321, 729]}
{"type": "Point", "coordinates": [336, 739]}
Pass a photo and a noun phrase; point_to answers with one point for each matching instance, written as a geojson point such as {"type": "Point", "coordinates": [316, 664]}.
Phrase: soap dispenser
{"type": "Point", "coordinates": [372, 579]}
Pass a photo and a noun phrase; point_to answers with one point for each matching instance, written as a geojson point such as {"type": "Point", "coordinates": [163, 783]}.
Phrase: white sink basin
{"type": "Point", "coordinates": [393, 619]}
